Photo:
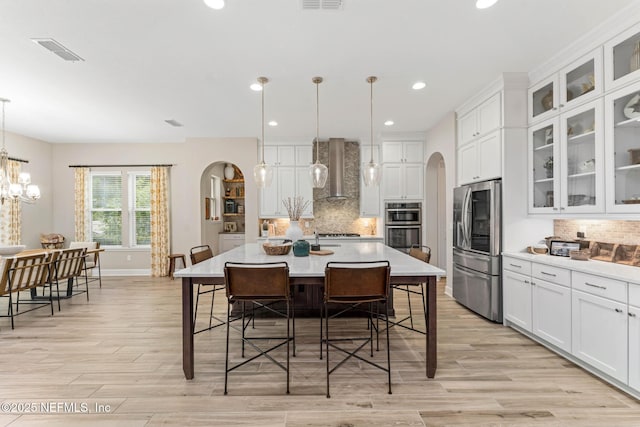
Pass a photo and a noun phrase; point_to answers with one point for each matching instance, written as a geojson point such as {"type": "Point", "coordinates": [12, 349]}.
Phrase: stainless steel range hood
{"type": "Point", "coordinates": [336, 169]}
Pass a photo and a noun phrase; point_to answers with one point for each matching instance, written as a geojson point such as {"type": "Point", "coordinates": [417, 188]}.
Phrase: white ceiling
{"type": "Point", "coordinates": [151, 60]}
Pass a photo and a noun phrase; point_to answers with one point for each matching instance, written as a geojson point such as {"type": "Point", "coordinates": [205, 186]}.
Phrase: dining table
{"type": "Point", "coordinates": [309, 271]}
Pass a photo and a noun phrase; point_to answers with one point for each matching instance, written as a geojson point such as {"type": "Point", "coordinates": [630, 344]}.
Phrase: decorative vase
{"type": "Point", "coordinates": [229, 173]}
{"type": "Point", "coordinates": [301, 248]}
{"type": "Point", "coordinates": [549, 172]}
{"type": "Point", "coordinates": [294, 232]}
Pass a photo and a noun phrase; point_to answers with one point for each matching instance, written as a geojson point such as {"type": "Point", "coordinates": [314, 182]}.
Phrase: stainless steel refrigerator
{"type": "Point", "coordinates": [476, 248]}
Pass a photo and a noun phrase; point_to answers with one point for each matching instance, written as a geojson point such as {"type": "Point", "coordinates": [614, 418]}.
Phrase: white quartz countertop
{"type": "Point", "coordinates": [313, 265]}
{"type": "Point", "coordinates": [611, 270]}
{"type": "Point", "coordinates": [312, 237]}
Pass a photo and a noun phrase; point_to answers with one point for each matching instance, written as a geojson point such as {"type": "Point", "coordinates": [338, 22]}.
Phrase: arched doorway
{"type": "Point", "coordinates": [222, 204]}
{"type": "Point", "coordinates": [435, 210]}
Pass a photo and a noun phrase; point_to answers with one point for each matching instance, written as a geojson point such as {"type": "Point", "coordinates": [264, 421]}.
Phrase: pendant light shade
{"type": "Point", "coordinates": [371, 172]}
{"type": "Point", "coordinates": [317, 171]}
{"type": "Point", "coordinates": [262, 172]}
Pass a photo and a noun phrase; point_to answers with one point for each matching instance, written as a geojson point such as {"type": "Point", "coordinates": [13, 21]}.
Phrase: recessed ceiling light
{"type": "Point", "coordinates": [273, 123]}
{"type": "Point", "coordinates": [419, 85]}
{"type": "Point", "coordinates": [389, 123]}
{"type": "Point", "coordinates": [214, 4]}
{"type": "Point", "coordinates": [256, 86]}
{"type": "Point", "coordinates": [483, 4]}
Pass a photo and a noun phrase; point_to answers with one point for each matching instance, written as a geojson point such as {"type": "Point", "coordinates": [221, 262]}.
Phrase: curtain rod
{"type": "Point", "coordinates": [18, 160]}
{"type": "Point", "coordinates": [118, 166]}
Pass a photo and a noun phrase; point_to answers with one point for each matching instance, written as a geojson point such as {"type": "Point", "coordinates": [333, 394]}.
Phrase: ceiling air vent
{"type": "Point", "coordinates": [174, 123]}
{"type": "Point", "coordinates": [321, 4]}
{"type": "Point", "coordinates": [58, 49]}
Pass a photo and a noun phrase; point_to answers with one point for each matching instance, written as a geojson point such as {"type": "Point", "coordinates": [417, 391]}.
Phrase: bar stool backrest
{"type": "Point", "coordinates": [356, 281]}
{"type": "Point", "coordinates": [423, 255]}
{"type": "Point", "coordinates": [255, 281]}
{"type": "Point", "coordinates": [200, 253]}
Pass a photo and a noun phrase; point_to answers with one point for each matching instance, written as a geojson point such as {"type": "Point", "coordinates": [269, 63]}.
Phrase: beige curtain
{"type": "Point", "coordinates": [82, 204]}
{"type": "Point", "coordinates": [11, 212]}
{"type": "Point", "coordinates": [160, 243]}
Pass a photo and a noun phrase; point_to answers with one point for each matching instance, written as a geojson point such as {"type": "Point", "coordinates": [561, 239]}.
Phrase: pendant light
{"type": "Point", "coordinates": [317, 171]}
{"type": "Point", "coordinates": [22, 190]}
{"type": "Point", "coordinates": [262, 172]}
{"type": "Point", "coordinates": [371, 172]}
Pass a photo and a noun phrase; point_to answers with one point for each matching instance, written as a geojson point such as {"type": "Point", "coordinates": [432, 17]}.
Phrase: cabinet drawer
{"type": "Point", "coordinates": [517, 265]}
{"type": "Point", "coordinates": [634, 294]}
{"type": "Point", "coordinates": [557, 275]}
{"type": "Point", "coordinates": [601, 286]}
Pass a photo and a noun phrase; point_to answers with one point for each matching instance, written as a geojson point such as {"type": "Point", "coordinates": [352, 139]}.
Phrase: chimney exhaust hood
{"type": "Point", "coordinates": [336, 169]}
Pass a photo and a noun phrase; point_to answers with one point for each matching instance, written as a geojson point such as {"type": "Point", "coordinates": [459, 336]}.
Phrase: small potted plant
{"type": "Point", "coordinates": [548, 165]}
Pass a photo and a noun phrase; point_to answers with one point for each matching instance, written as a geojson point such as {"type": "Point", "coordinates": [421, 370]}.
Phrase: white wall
{"type": "Point", "coordinates": [37, 218]}
{"type": "Point", "coordinates": [190, 160]}
{"type": "Point", "coordinates": [441, 138]}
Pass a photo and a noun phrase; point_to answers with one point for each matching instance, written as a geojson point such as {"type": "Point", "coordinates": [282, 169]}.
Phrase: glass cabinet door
{"type": "Point", "coordinates": [543, 99]}
{"type": "Point", "coordinates": [622, 58]}
{"type": "Point", "coordinates": [582, 159]}
{"type": "Point", "coordinates": [582, 80]}
{"type": "Point", "coordinates": [544, 167]}
{"type": "Point", "coordinates": [623, 149]}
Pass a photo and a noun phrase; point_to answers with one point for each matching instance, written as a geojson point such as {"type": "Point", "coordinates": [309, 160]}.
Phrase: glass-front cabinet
{"type": "Point", "coordinates": [623, 149]}
{"type": "Point", "coordinates": [622, 58]}
{"type": "Point", "coordinates": [566, 162]}
{"type": "Point", "coordinates": [578, 82]}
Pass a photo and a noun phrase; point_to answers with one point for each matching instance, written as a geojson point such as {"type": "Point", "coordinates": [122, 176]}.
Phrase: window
{"type": "Point", "coordinates": [121, 208]}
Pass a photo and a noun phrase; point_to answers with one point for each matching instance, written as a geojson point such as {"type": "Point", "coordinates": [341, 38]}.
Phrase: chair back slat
{"type": "Point", "coordinates": [23, 273]}
{"type": "Point", "coordinates": [257, 281]}
{"type": "Point", "coordinates": [357, 281]}
{"type": "Point", "coordinates": [200, 253]}
{"type": "Point", "coordinates": [68, 263]}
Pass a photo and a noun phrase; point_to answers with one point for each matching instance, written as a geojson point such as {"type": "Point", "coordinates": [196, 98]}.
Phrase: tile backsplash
{"type": "Point", "coordinates": [611, 231]}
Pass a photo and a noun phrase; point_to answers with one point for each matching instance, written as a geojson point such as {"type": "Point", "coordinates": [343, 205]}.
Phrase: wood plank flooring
{"type": "Point", "coordinates": [118, 359]}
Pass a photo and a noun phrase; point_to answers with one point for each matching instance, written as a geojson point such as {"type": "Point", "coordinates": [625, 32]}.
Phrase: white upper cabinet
{"type": "Point", "coordinates": [478, 122]}
{"type": "Point", "coordinates": [574, 84]}
{"type": "Point", "coordinates": [402, 170]}
{"type": "Point", "coordinates": [622, 112]}
{"type": "Point", "coordinates": [402, 152]}
{"type": "Point", "coordinates": [566, 157]}
{"type": "Point", "coordinates": [280, 155]}
{"type": "Point", "coordinates": [481, 159]}
{"type": "Point", "coordinates": [622, 58]}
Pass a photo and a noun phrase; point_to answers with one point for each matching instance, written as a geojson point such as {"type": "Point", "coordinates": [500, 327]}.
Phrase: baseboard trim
{"type": "Point", "coordinates": [126, 272]}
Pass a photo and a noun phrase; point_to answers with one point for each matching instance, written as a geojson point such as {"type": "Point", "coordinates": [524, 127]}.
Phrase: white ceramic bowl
{"type": "Point", "coordinates": [11, 250]}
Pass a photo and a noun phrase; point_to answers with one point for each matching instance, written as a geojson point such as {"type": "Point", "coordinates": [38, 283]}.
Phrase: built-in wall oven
{"type": "Point", "coordinates": [403, 225]}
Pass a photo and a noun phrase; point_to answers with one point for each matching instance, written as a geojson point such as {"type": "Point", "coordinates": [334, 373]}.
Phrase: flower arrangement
{"type": "Point", "coordinates": [548, 164]}
{"type": "Point", "coordinates": [295, 207]}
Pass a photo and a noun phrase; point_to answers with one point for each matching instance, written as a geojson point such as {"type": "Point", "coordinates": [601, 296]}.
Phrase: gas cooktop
{"type": "Point", "coordinates": [338, 235]}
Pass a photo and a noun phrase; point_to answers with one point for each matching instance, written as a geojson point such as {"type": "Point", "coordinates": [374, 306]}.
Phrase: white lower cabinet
{"type": "Point", "coordinates": [229, 241]}
{"type": "Point", "coordinates": [599, 333]}
{"type": "Point", "coordinates": [516, 289]}
{"type": "Point", "coordinates": [552, 313]}
{"type": "Point", "coordinates": [634, 347]}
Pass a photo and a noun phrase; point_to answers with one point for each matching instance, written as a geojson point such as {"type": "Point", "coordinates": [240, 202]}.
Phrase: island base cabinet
{"type": "Point", "coordinates": [599, 333]}
{"type": "Point", "coordinates": [517, 299]}
{"type": "Point", "coordinates": [552, 313]}
{"type": "Point", "coordinates": [634, 347]}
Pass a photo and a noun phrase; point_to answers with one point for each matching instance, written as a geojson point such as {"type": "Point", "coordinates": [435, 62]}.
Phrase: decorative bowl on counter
{"type": "Point", "coordinates": [581, 255]}
{"type": "Point", "coordinates": [276, 248]}
{"type": "Point", "coordinates": [538, 249]}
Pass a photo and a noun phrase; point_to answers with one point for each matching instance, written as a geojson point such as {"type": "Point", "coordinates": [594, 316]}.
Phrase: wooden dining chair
{"type": "Point", "coordinates": [21, 274]}
{"type": "Point", "coordinates": [198, 254]}
{"type": "Point", "coordinates": [261, 283]}
{"type": "Point", "coordinates": [91, 260]}
{"type": "Point", "coordinates": [423, 253]}
{"type": "Point", "coordinates": [356, 284]}
{"type": "Point", "coordinates": [67, 265]}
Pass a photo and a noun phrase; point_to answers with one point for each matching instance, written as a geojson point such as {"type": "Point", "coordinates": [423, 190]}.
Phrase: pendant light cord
{"type": "Point", "coordinates": [317, 121]}
{"type": "Point", "coordinates": [262, 82]}
{"type": "Point", "coordinates": [371, 80]}
{"type": "Point", "coordinates": [4, 101]}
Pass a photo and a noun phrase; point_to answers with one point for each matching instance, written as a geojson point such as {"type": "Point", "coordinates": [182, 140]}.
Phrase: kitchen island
{"type": "Point", "coordinates": [309, 272]}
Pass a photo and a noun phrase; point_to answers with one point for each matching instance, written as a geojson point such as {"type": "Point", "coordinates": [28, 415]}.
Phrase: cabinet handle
{"type": "Point", "coordinates": [561, 105]}
{"type": "Point", "coordinates": [548, 274]}
{"type": "Point", "coordinates": [555, 209]}
{"type": "Point", "coordinates": [595, 286]}
{"type": "Point", "coordinates": [526, 281]}
{"type": "Point", "coordinates": [555, 108]}
{"type": "Point", "coordinates": [533, 283]}
{"type": "Point", "coordinates": [632, 315]}
{"type": "Point", "coordinates": [618, 310]}
{"type": "Point", "coordinates": [515, 265]}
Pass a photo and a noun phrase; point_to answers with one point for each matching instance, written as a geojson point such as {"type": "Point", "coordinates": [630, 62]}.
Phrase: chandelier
{"type": "Point", "coordinates": [22, 190]}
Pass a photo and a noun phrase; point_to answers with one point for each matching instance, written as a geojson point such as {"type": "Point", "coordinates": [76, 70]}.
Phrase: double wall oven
{"type": "Point", "coordinates": [403, 225]}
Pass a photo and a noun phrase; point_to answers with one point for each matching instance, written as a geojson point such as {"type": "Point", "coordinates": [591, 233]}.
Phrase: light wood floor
{"type": "Point", "coordinates": [122, 352]}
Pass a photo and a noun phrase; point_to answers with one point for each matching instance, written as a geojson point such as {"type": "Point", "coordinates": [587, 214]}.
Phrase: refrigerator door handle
{"type": "Point", "coordinates": [466, 218]}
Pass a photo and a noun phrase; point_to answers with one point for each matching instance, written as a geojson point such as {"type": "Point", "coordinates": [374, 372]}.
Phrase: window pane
{"type": "Point", "coordinates": [143, 192]}
{"type": "Point", "coordinates": [106, 192]}
{"type": "Point", "coordinates": [143, 228]}
{"type": "Point", "coordinates": [106, 227]}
